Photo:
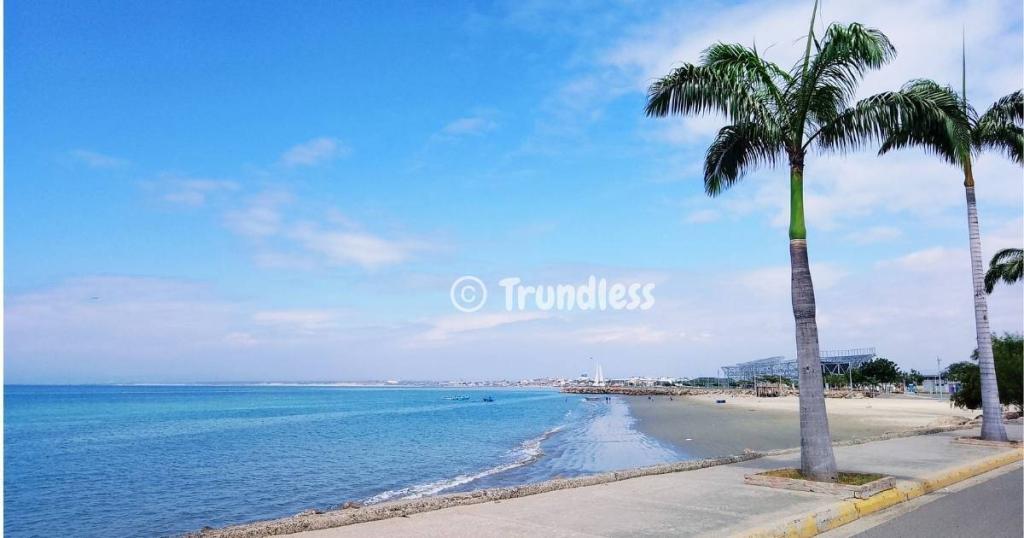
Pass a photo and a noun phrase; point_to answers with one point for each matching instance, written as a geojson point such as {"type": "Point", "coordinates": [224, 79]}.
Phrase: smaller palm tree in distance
{"type": "Point", "coordinates": [1007, 265]}
{"type": "Point", "coordinates": [956, 138]}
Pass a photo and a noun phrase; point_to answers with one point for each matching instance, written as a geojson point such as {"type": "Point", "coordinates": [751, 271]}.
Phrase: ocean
{"type": "Point", "coordinates": [165, 460]}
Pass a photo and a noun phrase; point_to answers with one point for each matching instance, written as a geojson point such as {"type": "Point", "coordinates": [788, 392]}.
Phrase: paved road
{"type": "Point", "coordinates": [991, 509]}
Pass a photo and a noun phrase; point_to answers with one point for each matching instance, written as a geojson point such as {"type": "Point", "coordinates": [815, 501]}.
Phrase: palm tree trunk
{"type": "Point", "coordinates": [817, 461]}
{"type": "Point", "coordinates": [992, 428]}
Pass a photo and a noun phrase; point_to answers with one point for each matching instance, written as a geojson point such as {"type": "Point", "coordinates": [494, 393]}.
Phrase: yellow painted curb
{"type": "Point", "coordinates": [843, 512]}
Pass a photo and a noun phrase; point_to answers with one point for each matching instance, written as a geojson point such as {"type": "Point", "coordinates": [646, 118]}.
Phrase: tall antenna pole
{"type": "Point", "coordinates": [963, 65]}
{"type": "Point", "coordinates": [810, 37]}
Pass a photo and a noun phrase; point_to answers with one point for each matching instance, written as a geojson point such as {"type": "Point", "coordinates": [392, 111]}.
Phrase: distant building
{"type": "Point", "coordinates": [933, 384]}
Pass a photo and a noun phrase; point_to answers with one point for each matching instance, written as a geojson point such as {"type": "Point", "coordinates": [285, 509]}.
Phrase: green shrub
{"type": "Point", "coordinates": [1008, 351]}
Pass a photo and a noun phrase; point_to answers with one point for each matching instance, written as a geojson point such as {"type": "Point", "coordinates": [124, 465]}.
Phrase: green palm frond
{"type": "Point", "coordinates": [826, 104]}
{"type": "Point", "coordinates": [701, 89]}
{"type": "Point", "coordinates": [843, 55]}
{"type": "Point", "coordinates": [1008, 109]}
{"type": "Point", "coordinates": [846, 53]}
{"type": "Point", "coordinates": [737, 149]}
{"type": "Point", "coordinates": [765, 78]}
{"type": "Point", "coordinates": [922, 114]}
{"type": "Point", "coordinates": [999, 128]}
{"type": "Point", "coordinates": [1007, 265]}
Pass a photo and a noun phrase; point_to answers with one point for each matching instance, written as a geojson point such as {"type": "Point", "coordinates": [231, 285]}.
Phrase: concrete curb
{"type": "Point", "coordinates": [843, 512]}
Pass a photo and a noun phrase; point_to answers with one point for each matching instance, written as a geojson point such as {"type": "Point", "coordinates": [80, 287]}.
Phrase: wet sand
{"type": "Point", "coordinates": [700, 428]}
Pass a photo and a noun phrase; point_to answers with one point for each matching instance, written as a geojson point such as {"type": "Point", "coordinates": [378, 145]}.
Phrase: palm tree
{"type": "Point", "coordinates": [778, 114]}
{"type": "Point", "coordinates": [955, 139]}
{"type": "Point", "coordinates": [1007, 265]}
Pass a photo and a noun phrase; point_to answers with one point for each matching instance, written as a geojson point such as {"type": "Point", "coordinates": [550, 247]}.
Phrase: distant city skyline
{"type": "Point", "coordinates": [229, 191]}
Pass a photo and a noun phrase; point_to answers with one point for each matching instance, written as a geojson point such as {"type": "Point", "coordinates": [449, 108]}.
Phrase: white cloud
{"type": "Point", "coordinates": [194, 192]}
{"type": "Point", "coordinates": [94, 159]}
{"type": "Point", "coordinates": [839, 190]}
{"type": "Point", "coordinates": [121, 328]}
{"type": "Point", "coordinates": [1009, 234]}
{"type": "Point", "coordinates": [688, 129]}
{"type": "Point", "coordinates": [775, 281]}
{"type": "Point", "coordinates": [348, 247]}
{"type": "Point", "coordinates": [111, 326]}
{"type": "Point", "coordinates": [316, 151]}
{"type": "Point", "coordinates": [306, 321]}
{"type": "Point", "coordinates": [935, 259]}
{"type": "Point", "coordinates": [446, 327]}
{"type": "Point", "coordinates": [702, 216]}
{"type": "Point", "coordinates": [634, 334]}
{"type": "Point", "coordinates": [920, 30]}
{"type": "Point", "coordinates": [284, 242]}
{"type": "Point", "coordinates": [241, 339]}
{"type": "Point", "coordinates": [261, 217]}
{"type": "Point", "coordinates": [874, 234]}
{"type": "Point", "coordinates": [124, 328]}
{"type": "Point", "coordinates": [469, 126]}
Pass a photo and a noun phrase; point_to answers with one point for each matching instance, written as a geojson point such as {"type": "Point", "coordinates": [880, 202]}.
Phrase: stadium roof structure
{"type": "Point", "coordinates": [838, 361]}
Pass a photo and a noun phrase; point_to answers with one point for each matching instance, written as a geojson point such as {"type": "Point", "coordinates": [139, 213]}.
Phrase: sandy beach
{"type": "Point", "coordinates": [701, 428]}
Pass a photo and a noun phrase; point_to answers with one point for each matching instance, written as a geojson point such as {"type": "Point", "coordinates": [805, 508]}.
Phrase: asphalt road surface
{"type": "Point", "coordinates": [993, 509]}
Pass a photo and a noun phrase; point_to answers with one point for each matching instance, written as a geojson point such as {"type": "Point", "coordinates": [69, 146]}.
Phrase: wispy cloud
{"type": "Point", "coordinates": [114, 328]}
{"type": "Point", "coordinates": [702, 216]}
{"type": "Point", "coordinates": [874, 234]}
{"type": "Point", "coordinates": [446, 327]}
{"type": "Point", "coordinates": [476, 124]}
{"type": "Point", "coordinates": [305, 321]}
{"type": "Point", "coordinates": [194, 192]}
{"type": "Point", "coordinates": [928, 260]}
{"type": "Point", "coordinates": [334, 240]}
{"type": "Point", "coordinates": [628, 334]}
{"type": "Point", "coordinates": [847, 191]}
{"type": "Point", "coordinates": [94, 159]}
{"type": "Point", "coordinates": [261, 216]}
{"type": "Point", "coordinates": [350, 247]}
{"type": "Point", "coordinates": [316, 151]}
{"type": "Point", "coordinates": [919, 29]}
{"type": "Point", "coordinates": [469, 126]}
{"type": "Point", "coordinates": [775, 281]}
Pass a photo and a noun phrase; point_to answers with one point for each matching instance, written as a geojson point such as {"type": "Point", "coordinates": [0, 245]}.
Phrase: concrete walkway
{"type": "Point", "coordinates": [710, 502]}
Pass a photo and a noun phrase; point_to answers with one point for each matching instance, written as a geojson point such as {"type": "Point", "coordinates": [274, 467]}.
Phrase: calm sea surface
{"type": "Point", "coordinates": [163, 460]}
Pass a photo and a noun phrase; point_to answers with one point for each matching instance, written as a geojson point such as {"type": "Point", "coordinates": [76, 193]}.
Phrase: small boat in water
{"type": "Point", "coordinates": [592, 398]}
{"type": "Point", "coordinates": [457, 398]}
{"type": "Point", "coordinates": [488, 398]}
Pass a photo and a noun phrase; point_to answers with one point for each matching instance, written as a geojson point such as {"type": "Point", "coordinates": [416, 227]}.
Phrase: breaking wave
{"type": "Point", "coordinates": [526, 453]}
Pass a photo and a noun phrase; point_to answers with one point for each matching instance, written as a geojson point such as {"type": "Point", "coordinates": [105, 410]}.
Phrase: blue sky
{"type": "Point", "coordinates": [239, 191]}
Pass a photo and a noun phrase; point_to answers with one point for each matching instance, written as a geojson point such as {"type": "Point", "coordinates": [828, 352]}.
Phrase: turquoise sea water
{"type": "Point", "coordinates": [163, 460]}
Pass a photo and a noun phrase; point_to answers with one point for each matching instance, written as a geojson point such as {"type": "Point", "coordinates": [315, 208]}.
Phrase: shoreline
{"type": "Point", "coordinates": [311, 520]}
{"type": "Point", "coordinates": [706, 434]}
